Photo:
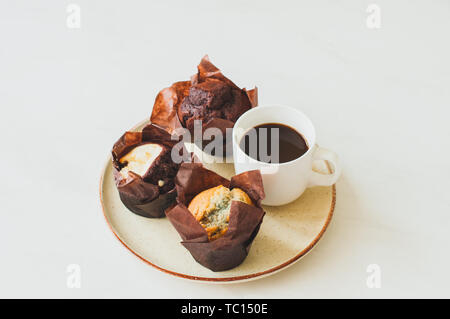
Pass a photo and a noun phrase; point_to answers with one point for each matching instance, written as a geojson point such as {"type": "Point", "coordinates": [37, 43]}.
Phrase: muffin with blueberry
{"type": "Point", "coordinates": [211, 208]}
{"type": "Point", "coordinates": [217, 218]}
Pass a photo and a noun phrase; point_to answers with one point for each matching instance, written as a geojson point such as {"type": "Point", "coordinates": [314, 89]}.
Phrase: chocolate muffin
{"type": "Point", "coordinates": [152, 162]}
{"type": "Point", "coordinates": [144, 171]}
{"type": "Point", "coordinates": [212, 99]}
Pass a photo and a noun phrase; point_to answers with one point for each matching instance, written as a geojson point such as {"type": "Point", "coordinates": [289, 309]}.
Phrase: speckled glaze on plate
{"type": "Point", "coordinates": [287, 233]}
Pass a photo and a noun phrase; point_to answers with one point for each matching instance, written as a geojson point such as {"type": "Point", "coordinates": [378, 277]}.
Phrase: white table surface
{"type": "Point", "coordinates": [379, 97]}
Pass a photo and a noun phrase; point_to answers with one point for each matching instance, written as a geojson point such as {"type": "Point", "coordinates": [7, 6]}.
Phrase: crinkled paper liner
{"type": "Point", "coordinates": [165, 109]}
{"type": "Point", "coordinates": [232, 248]}
{"type": "Point", "coordinates": [141, 197]}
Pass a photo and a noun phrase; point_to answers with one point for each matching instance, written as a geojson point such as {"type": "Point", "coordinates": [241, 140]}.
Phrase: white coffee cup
{"type": "Point", "coordinates": [284, 182]}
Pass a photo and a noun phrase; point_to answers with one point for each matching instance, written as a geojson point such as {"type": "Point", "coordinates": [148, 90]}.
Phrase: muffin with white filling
{"type": "Point", "coordinates": [152, 163]}
{"type": "Point", "coordinates": [144, 171]}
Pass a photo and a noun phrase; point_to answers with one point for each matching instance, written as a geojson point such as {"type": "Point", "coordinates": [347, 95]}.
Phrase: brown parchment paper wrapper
{"type": "Point", "coordinates": [165, 109]}
{"type": "Point", "coordinates": [232, 248]}
{"type": "Point", "coordinates": [137, 194]}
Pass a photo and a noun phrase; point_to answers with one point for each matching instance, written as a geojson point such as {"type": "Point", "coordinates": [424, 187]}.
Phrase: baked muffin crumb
{"type": "Point", "coordinates": [211, 208]}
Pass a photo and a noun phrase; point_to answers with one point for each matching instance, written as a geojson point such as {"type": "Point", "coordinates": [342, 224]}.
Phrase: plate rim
{"type": "Point", "coordinates": [241, 278]}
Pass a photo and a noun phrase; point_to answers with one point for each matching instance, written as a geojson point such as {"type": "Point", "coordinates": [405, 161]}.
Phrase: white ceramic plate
{"type": "Point", "coordinates": [287, 233]}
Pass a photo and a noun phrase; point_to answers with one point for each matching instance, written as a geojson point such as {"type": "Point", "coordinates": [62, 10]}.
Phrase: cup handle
{"type": "Point", "coordinates": [318, 179]}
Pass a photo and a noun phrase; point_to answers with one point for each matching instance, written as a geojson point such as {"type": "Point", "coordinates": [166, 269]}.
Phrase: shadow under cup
{"type": "Point", "coordinates": [283, 182]}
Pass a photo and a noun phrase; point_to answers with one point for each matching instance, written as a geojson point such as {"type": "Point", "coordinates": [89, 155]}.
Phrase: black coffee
{"type": "Point", "coordinates": [273, 143]}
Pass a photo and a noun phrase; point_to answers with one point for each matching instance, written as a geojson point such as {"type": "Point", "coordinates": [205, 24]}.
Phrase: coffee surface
{"type": "Point", "coordinates": [263, 141]}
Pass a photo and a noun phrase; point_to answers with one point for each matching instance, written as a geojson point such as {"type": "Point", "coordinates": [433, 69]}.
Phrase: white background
{"type": "Point", "coordinates": [379, 97]}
